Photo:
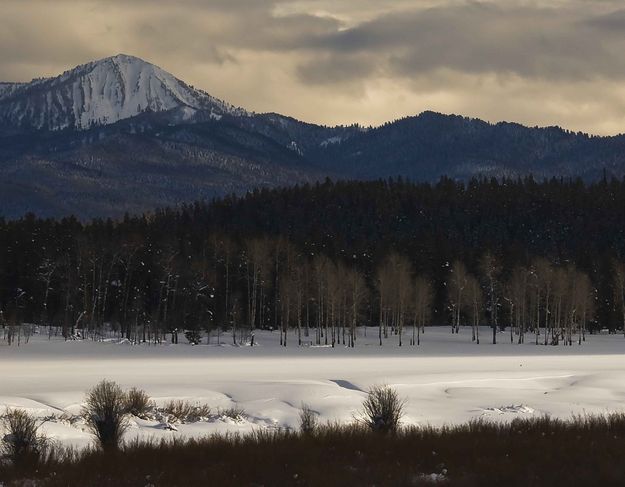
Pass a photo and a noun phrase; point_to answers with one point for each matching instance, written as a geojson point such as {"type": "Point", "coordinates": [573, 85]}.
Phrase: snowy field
{"type": "Point", "coordinates": [447, 379]}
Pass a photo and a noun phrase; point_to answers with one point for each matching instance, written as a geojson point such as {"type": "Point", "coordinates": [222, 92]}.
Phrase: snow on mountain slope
{"type": "Point", "coordinates": [7, 89]}
{"type": "Point", "coordinates": [100, 93]}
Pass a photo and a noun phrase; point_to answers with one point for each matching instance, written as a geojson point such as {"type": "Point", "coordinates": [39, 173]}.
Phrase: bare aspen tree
{"type": "Point", "coordinates": [251, 279]}
{"type": "Point", "coordinates": [166, 262]}
{"type": "Point", "coordinates": [284, 254]}
{"type": "Point", "coordinates": [560, 291]}
{"type": "Point", "coordinates": [202, 287]}
{"type": "Point", "coordinates": [95, 266]}
{"type": "Point", "coordinates": [490, 271]}
{"type": "Point", "coordinates": [475, 299]}
{"type": "Point", "coordinates": [287, 257]}
{"type": "Point", "coordinates": [320, 265]}
{"type": "Point", "coordinates": [298, 289]}
{"type": "Point", "coordinates": [357, 293]}
{"type": "Point", "coordinates": [72, 282]}
{"type": "Point", "coordinates": [128, 263]}
{"type": "Point", "coordinates": [395, 291]}
{"type": "Point", "coordinates": [256, 259]}
{"type": "Point", "coordinates": [384, 281]}
{"type": "Point", "coordinates": [309, 292]}
{"type": "Point", "coordinates": [342, 296]}
{"type": "Point", "coordinates": [585, 304]}
{"type": "Point", "coordinates": [235, 311]}
{"type": "Point", "coordinates": [94, 260]}
{"type": "Point", "coordinates": [333, 281]}
{"type": "Point", "coordinates": [404, 292]}
{"type": "Point", "coordinates": [108, 268]}
{"type": "Point", "coordinates": [457, 288]}
{"type": "Point", "coordinates": [619, 288]}
{"type": "Point", "coordinates": [542, 280]}
{"type": "Point", "coordinates": [225, 250]}
{"type": "Point", "coordinates": [572, 318]}
{"type": "Point", "coordinates": [47, 270]}
{"type": "Point", "coordinates": [286, 296]}
{"type": "Point", "coordinates": [535, 295]}
{"type": "Point", "coordinates": [516, 296]}
{"type": "Point", "coordinates": [138, 310]}
{"type": "Point", "coordinates": [422, 307]}
{"type": "Point", "coordinates": [82, 261]}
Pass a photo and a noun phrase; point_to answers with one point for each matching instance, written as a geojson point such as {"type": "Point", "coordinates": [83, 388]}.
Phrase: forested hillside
{"type": "Point", "coordinates": [329, 257]}
{"type": "Point", "coordinates": [97, 141]}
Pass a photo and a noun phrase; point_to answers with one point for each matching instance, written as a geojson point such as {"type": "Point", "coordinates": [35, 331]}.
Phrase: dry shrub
{"type": "Point", "coordinates": [137, 402]}
{"type": "Point", "coordinates": [235, 413]}
{"type": "Point", "coordinates": [194, 337]}
{"type": "Point", "coordinates": [184, 411]}
{"type": "Point", "coordinates": [382, 409]}
{"type": "Point", "coordinates": [105, 414]}
{"type": "Point", "coordinates": [307, 420]}
{"type": "Point", "coordinates": [21, 443]}
{"type": "Point", "coordinates": [198, 412]}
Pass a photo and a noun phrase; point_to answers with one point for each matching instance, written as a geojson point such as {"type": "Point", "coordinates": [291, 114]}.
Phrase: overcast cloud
{"type": "Point", "coordinates": [341, 61]}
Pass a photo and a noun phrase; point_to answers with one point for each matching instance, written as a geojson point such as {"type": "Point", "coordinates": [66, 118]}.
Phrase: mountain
{"type": "Point", "coordinates": [430, 145]}
{"type": "Point", "coordinates": [123, 135]}
{"type": "Point", "coordinates": [100, 93]}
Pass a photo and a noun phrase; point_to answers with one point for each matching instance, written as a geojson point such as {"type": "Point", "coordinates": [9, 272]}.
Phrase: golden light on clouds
{"type": "Point", "coordinates": [343, 61]}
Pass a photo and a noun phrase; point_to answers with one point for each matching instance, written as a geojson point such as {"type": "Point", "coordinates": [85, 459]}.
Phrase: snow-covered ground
{"type": "Point", "coordinates": [447, 379]}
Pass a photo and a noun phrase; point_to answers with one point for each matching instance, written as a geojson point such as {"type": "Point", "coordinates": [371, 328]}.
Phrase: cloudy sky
{"type": "Point", "coordinates": [539, 62]}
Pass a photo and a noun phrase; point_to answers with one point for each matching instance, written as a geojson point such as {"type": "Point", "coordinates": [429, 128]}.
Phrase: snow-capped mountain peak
{"type": "Point", "coordinates": [99, 93]}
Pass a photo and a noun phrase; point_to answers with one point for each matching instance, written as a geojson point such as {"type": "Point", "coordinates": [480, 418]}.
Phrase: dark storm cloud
{"type": "Point", "coordinates": [336, 69]}
{"type": "Point", "coordinates": [533, 42]}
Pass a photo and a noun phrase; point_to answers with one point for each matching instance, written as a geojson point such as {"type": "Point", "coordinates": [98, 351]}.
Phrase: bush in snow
{"type": "Point", "coordinates": [307, 420]}
{"type": "Point", "coordinates": [382, 409]}
{"type": "Point", "coordinates": [193, 336]}
{"type": "Point", "coordinates": [178, 409]}
{"type": "Point", "coordinates": [137, 402]}
{"type": "Point", "coordinates": [21, 443]}
{"type": "Point", "coordinates": [105, 413]}
{"type": "Point", "coordinates": [183, 411]}
{"type": "Point", "coordinates": [235, 413]}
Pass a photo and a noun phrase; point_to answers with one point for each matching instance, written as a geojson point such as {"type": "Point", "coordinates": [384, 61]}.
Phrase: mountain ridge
{"type": "Point", "coordinates": [122, 135]}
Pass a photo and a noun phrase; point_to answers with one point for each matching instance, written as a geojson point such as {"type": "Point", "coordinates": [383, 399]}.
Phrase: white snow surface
{"type": "Point", "coordinates": [448, 379]}
{"type": "Point", "coordinates": [102, 92]}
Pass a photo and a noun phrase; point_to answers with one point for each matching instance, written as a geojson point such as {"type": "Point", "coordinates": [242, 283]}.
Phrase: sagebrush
{"type": "Point", "coordinates": [105, 413]}
{"type": "Point", "coordinates": [383, 409]}
{"type": "Point", "coordinates": [21, 441]}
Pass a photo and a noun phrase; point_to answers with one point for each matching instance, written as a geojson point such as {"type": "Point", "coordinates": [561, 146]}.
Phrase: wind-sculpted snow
{"type": "Point", "coordinates": [100, 93]}
{"type": "Point", "coordinates": [448, 379]}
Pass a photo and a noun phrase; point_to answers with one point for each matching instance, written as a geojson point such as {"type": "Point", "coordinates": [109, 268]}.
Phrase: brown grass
{"type": "Point", "coordinates": [529, 452]}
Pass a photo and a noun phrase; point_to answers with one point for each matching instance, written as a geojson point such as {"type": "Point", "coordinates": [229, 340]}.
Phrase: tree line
{"type": "Point", "coordinates": [328, 258]}
{"type": "Point", "coordinates": [268, 283]}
